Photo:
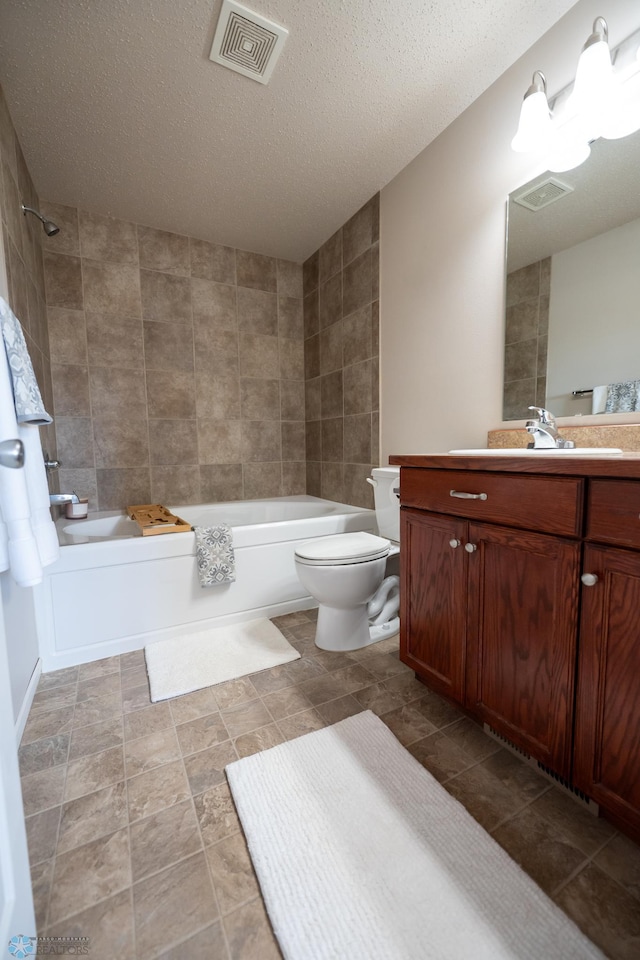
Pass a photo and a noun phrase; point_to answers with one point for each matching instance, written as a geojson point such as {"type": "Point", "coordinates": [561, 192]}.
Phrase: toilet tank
{"type": "Point", "coordinates": [386, 487]}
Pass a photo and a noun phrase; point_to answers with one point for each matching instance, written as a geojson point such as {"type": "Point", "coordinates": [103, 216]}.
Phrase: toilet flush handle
{"type": "Point", "coordinates": [374, 483]}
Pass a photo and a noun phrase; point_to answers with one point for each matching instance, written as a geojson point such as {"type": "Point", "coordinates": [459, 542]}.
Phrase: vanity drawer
{"type": "Point", "coordinates": [546, 504]}
{"type": "Point", "coordinates": [613, 514]}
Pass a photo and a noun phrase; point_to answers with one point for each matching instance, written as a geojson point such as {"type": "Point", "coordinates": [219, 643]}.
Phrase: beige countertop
{"type": "Point", "coordinates": [622, 466]}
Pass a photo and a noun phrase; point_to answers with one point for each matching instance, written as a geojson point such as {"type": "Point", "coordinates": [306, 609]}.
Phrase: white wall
{"type": "Point", "coordinates": [593, 307]}
{"type": "Point", "coordinates": [442, 227]}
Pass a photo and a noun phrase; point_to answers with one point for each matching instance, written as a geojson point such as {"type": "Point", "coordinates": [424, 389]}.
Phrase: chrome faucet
{"type": "Point", "coordinates": [59, 498]}
{"type": "Point", "coordinates": [545, 432]}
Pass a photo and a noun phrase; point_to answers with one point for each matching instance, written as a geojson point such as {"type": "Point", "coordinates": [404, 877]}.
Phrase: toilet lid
{"type": "Point", "coordinates": [343, 548]}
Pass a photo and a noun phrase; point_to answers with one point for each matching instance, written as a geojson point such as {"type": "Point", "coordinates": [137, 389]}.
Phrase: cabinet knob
{"type": "Point", "coordinates": [589, 579]}
{"type": "Point", "coordinates": [454, 543]}
{"type": "Point", "coordinates": [470, 547]}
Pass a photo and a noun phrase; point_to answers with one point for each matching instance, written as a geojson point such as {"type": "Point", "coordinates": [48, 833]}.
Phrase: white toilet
{"type": "Point", "coordinates": [346, 574]}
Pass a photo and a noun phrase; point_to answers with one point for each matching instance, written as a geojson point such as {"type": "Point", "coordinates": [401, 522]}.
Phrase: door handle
{"type": "Point", "coordinates": [12, 454]}
{"type": "Point", "coordinates": [467, 496]}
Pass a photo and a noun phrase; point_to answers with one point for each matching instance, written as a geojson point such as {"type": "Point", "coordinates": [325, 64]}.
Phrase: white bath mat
{"type": "Point", "coordinates": [362, 855]}
{"type": "Point", "coordinates": [198, 660]}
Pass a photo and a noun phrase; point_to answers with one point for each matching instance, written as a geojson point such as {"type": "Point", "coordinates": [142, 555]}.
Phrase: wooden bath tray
{"type": "Point", "coordinates": [153, 518]}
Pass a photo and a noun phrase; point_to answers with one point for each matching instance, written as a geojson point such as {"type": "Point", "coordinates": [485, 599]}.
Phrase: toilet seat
{"type": "Point", "coordinates": [343, 548]}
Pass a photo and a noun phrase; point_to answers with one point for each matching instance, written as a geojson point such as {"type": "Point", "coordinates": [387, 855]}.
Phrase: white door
{"type": "Point", "coordinates": [16, 900]}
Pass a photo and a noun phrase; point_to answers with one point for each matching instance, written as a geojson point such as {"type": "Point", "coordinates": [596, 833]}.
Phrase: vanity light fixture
{"type": "Point", "coordinates": [604, 101]}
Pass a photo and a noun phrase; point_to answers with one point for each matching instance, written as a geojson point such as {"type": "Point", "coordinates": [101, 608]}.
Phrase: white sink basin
{"type": "Point", "coordinates": [551, 452]}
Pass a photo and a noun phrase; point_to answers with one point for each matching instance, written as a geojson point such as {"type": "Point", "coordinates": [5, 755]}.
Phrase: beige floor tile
{"type": "Point", "coordinates": [194, 705]}
{"type": "Point", "coordinates": [154, 791]}
{"type": "Point", "coordinates": [304, 669]}
{"type": "Point", "coordinates": [258, 740]}
{"type": "Point", "coordinates": [519, 778]}
{"type": "Point", "coordinates": [53, 699]}
{"type": "Point", "coordinates": [44, 753]}
{"type": "Point", "coordinates": [485, 795]}
{"type": "Point", "coordinates": [206, 768]}
{"type": "Point", "coordinates": [47, 724]}
{"type": "Point", "coordinates": [44, 789]}
{"type": "Point", "coordinates": [383, 665]}
{"type": "Point", "coordinates": [295, 619]}
{"type": "Point", "coordinates": [150, 720]}
{"type": "Point", "coordinates": [176, 900]}
{"type": "Point", "coordinates": [579, 825]}
{"type": "Point", "coordinates": [621, 860]}
{"type": "Point", "coordinates": [57, 678]}
{"type": "Point", "coordinates": [234, 692]}
{"type": "Point", "coordinates": [605, 911]}
{"type": "Point", "coordinates": [136, 698]}
{"type": "Point", "coordinates": [268, 681]}
{"type": "Point", "coordinates": [249, 934]}
{"type": "Point", "coordinates": [201, 734]}
{"type": "Point", "coordinates": [129, 661]}
{"type": "Point", "coordinates": [245, 717]}
{"type": "Point", "coordinates": [99, 668]}
{"type": "Point", "coordinates": [540, 849]}
{"type": "Point", "coordinates": [335, 710]}
{"type": "Point", "coordinates": [300, 723]}
{"type": "Point", "coordinates": [409, 723]}
{"type": "Point", "coordinates": [406, 686]}
{"type": "Point", "coordinates": [135, 677]}
{"type": "Point", "coordinates": [216, 814]}
{"type": "Point", "coordinates": [303, 631]}
{"type": "Point", "coordinates": [378, 698]}
{"type": "Point", "coordinates": [90, 873]}
{"type": "Point", "coordinates": [471, 738]}
{"type": "Point", "coordinates": [285, 702]}
{"type": "Point", "coordinates": [163, 839]}
{"type": "Point", "coordinates": [108, 924]}
{"type": "Point", "coordinates": [42, 834]}
{"type": "Point", "coordinates": [92, 816]}
{"type": "Point", "coordinates": [233, 876]}
{"type": "Point", "coordinates": [95, 738]}
{"type": "Point", "coordinates": [98, 770]}
{"type": "Point", "coordinates": [41, 877]}
{"type": "Point", "coordinates": [98, 710]}
{"type": "Point", "coordinates": [102, 686]}
{"type": "Point", "coordinates": [209, 944]}
{"type": "Point", "coordinates": [331, 661]}
{"type": "Point", "coordinates": [151, 751]}
{"type": "Point", "coordinates": [440, 756]}
{"type": "Point", "coordinates": [339, 683]}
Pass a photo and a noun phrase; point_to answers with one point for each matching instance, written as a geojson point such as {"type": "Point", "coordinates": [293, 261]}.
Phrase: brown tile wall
{"type": "Point", "coordinates": [527, 327]}
{"type": "Point", "coordinates": [177, 365]}
{"type": "Point", "coordinates": [341, 318]}
{"type": "Point", "coordinates": [21, 237]}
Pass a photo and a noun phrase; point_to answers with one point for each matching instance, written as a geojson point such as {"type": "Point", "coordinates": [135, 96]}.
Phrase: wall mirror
{"type": "Point", "coordinates": [573, 284]}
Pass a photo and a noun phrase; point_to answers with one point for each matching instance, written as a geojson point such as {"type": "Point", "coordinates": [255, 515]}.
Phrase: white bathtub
{"type": "Point", "coordinates": [113, 590]}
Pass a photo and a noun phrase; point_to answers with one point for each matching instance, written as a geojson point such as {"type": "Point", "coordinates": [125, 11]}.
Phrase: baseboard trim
{"type": "Point", "coordinates": [30, 693]}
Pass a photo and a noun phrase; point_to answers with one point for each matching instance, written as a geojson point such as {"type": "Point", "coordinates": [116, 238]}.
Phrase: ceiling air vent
{"type": "Point", "coordinates": [542, 194]}
{"type": "Point", "coordinates": [246, 42]}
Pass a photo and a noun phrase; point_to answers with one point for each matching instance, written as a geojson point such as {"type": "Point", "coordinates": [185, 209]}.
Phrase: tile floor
{"type": "Point", "coordinates": [132, 832]}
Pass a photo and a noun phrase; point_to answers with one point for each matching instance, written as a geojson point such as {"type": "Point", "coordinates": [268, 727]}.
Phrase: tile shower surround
{"type": "Point", "coordinates": [526, 335]}
{"type": "Point", "coordinates": [133, 836]}
{"type": "Point", "coordinates": [341, 319]}
{"type": "Point", "coordinates": [22, 237]}
{"type": "Point", "coordinates": [177, 365]}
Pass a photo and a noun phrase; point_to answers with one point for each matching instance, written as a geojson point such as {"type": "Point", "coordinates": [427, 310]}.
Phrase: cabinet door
{"type": "Point", "coordinates": [607, 736]}
{"type": "Point", "coordinates": [521, 639]}
{"type": "Point", "coordinates": [433, 598]}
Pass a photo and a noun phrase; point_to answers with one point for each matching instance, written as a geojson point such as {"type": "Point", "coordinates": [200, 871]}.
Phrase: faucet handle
{"type": "Point", "coordinates": [545, 416]}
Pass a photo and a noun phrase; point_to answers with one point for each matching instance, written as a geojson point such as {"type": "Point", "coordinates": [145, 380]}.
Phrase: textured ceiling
{"type": "Point", "coordinates": [120, 111]}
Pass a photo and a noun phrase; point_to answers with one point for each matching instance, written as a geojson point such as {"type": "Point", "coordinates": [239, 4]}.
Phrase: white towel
{"type": "Point", "coordinates": [599, 399]}
{"type": "Point", "coordinates": [27, 540]}
{"type": "Point", "coordinates": [27, 400]}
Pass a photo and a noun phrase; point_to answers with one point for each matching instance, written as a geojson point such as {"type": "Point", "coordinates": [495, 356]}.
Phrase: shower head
{"type": "Point", "coordinates": [49, 227]}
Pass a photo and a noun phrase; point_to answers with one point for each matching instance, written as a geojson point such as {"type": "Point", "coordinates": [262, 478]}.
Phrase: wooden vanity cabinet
{"type": "Point", "coordinates": [607, 723]}
{"type": "Point", "coordinates": [489, 609]}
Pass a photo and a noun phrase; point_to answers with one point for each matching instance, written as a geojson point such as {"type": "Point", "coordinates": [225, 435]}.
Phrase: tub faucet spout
{"type": "Point", "coordinates": [58, 498]}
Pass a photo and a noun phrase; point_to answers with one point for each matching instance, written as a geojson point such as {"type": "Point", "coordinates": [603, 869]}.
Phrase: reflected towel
{"type": "Point", "coordinates": [28, 539]}
{"type": "Point", "coordinates": [214, 555]}
{"type": "Point", "coordinates": [623, 397]}
{"type": "Point", "coordinates": [27, 399]}
{"type": "Point", "coordinates": [599, 399]}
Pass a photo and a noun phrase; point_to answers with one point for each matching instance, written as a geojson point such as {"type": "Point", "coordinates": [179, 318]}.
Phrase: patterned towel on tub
{"type": "Point", "coordinates": [214, 555]}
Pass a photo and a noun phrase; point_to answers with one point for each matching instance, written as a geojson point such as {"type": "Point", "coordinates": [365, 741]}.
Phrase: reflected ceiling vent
{"type": "Point", "coordinates": [246, 42]}
{"type": "Point", "coordinates": [542, 194]}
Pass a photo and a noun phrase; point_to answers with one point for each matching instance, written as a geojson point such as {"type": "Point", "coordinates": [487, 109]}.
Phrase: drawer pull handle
{"type": "Point", "coordinates": [589, 579]}
{"type": "Point", "coordinates": [467, 496]}
{"type": "Point", "coordinates": [470, 547]}
{"type": "Point", "coordinates": [454, 543]}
